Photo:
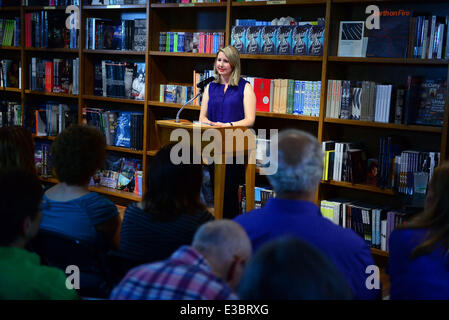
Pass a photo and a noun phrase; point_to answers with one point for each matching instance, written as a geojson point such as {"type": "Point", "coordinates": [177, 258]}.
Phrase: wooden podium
{"type": "Point", "coordinates": [245, 148]}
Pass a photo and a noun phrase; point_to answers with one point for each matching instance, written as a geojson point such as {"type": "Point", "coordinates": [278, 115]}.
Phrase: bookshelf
{"type": "Point", "coordinates": [177, 67]}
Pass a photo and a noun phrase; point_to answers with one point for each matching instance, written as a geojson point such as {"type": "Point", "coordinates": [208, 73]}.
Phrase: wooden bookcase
{"type": "Point", "coordinates": [177, 68]}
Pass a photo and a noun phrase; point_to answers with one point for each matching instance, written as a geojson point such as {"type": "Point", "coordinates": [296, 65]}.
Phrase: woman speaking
{"type": "Point", "coordinates": [227, 102]}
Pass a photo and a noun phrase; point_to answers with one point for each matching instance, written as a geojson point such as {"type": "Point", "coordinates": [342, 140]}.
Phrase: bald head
{"type": "Point", "coordinates": [223, 243]}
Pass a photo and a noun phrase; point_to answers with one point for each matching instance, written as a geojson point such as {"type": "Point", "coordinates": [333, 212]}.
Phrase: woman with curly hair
{"type": "Point", "coordinates": [419, 261]}
{"type": "Point", "coordinates": [69, 208]}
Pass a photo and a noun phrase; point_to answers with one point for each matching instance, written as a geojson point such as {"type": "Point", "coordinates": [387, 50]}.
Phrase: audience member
{"type": "Point", "coordinates": [170, 211]}
{"type": "Point", "coordinates": [21, 275]}
{"type": "Point", "coordinates": [290, 269]}
{"type": "Point", "coordinates": [17, 149]}
{"type": "Point", "coordinates": [293, 212]}
{"type": "Point", "coordinates": [419, 262]}
{"type": "Point", "coordinates": [69, 208]}
{"type": "Point", "coordinates": [209, 269]}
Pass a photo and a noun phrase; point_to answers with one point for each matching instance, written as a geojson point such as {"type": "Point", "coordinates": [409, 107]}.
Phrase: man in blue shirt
{"type": "Point", "coordinates": [293, 212]}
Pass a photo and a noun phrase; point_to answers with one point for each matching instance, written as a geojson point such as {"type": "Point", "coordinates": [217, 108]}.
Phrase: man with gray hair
{"type": "Point", "coordinates": [293, 212]}
{"type": "Point", "coordinates": [209, 269]}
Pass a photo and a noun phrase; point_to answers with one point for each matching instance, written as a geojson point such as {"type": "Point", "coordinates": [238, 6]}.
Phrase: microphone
{"type": "Point", "coordinates": [205, 82]}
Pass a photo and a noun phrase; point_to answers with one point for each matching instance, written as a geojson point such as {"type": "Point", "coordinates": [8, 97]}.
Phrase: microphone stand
{"type": "Point", "coordinates": [179, 112]}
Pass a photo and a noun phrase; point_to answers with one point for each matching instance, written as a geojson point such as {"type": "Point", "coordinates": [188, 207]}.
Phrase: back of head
{"type": "Point", "coordinates": [300, 162]}
{"type": "Point", "coordinates": [77, 153]}
{"type": "Point", "coordinates": [435, 216]}
{"type": "Point", "coordinates": [172, 188]}
{"type": "Point", "coordinates": [20, 197]}
{"type": "Point", "coordinates": [222, 239]}
{"type": "Point", "coordinates": [290, 269]}
{"type": "Point", "coordinates": [16, 149]}
{"type": "Point", "coordinates": [226, 247]}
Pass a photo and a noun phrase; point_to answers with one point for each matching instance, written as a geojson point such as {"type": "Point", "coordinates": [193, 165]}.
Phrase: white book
{"type": "Point", "coordinates": [336, 157]}
{"type": "Point", "coordinates": [377, 103]}
{"type": "Point", "coordinates": [383, 235]}
{"type": "Point", "coordinates": [388, 90]}
{"type": "Point", "coordinates": [350, 41]}
{"type": "Point", "coordinates": [425, 39]}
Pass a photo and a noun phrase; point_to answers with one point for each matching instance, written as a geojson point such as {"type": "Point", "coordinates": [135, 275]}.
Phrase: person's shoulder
{"type": "Point", "coordinates": [53, 283]}
{"type": "Point", "coordinates": [96, 204]}
{"type": "Point", "coordinates": [406, 237]}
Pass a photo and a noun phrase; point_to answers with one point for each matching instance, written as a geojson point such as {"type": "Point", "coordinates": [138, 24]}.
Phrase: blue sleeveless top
{"type": "Point", "coordinates": [226, 107]}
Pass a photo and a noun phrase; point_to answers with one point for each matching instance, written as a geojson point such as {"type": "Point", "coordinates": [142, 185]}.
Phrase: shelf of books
{"type": "Point", "coordinates": [389, 60]}
{"type": "Point", "coordinates": [358, 186]}
{"type": "Point", "coordinates": [116, 7]}
{"type": "Point", "coordinates": [188, 5]}
{"type": "Point", "coordinates": [115, 52]}
{"type": "Point", "coordinates": [276, 2]}
{"type": "Point", "coordinates": [393, 126]}
{"type": "Point", "coordinates": [102, 190]}
{"type": "Point", "coordinates": [182, 54]}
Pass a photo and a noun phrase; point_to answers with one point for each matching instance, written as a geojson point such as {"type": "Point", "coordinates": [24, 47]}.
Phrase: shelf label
{"type": "Point", "coordinates": [277, 2]}
{"type": "Point", "coordinates": [186, 4]}
{"type": "Point", "coordinates": [113, 6]}
{"type": "Point", "coordinates": [50, 8]}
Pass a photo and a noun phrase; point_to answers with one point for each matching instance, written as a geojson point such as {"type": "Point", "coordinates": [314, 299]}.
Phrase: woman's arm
{"type": "Point", "coordinates": [249, 106]}
{"type": "Point", "coordinates": [203, 112]}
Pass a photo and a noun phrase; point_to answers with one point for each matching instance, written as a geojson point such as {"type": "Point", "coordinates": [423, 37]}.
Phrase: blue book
{"type": "Point", "coordinates": [296, 97]}
{"type": "Point", "coordinates": [300, 39]}
{"type": "Point", "coordinates": [123, 130]}
{"type": "Point", "coordinates": [238, 38]}
{"type": "Point", "coordinates": [268, 40]}
{"type": "Point", "coordinates": [253, 35]}
{"type": "Point", "coordinates": [284, 40]}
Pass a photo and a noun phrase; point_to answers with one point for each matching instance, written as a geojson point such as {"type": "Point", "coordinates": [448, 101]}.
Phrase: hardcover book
{"type": "Point", "coordinates": [391, 40]}
{"type": "Point", "coordinates": [350, 43]}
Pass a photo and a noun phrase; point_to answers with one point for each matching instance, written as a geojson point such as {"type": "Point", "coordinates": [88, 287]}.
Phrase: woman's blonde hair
{"type": "Point", "coordinates": [234, 60]}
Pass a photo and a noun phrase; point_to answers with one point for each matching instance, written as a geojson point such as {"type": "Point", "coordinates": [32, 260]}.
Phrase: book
{"type": "Point", "coordinates": [350, 42]}
{"type": "Point", "coordinates": [391, 39]}
{"type": "Point", "coordinates": [238, 38]}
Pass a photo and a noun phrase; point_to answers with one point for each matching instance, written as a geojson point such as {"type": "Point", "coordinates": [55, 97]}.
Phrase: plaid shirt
{"type": "Point", "coordinates": [186, 275]}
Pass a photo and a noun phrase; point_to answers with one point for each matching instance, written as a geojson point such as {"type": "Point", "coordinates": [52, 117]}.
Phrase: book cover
{"type": "Point", "coordinates": [316, 40]}
{"type": "Point", "coordinates": [391, 40]}
{"type": "Point", "coordinates": [284, 40]}
{"type": "Point", "coordinates": [350, 43]}
{"type": "Point", "coordinates": [238, 38]}
{"type": "Point", "coordinates": [262, 91]}
{"type": "Point", "coordinates": [300, 39]}
{"type": "Point", "coordinates": [138, 84]}
{"type": "Point", "coordinates": [253, 39]}
{"type": "Point", "coordinates": [268, 44]}
{"type": "Point", "coordinates": [431, 106]}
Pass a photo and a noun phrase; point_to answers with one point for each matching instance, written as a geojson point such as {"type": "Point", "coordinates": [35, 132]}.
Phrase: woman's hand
{"type": "Point", "coordinates": [221, 124]}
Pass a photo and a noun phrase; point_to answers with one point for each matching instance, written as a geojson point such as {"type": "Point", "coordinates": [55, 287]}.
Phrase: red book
{"type": "Point", "coordinates": [48, 76]}
{"type": "Point", "coordinates": [262, 91]}
{"type": "Point", "coordinates": [28, 18]}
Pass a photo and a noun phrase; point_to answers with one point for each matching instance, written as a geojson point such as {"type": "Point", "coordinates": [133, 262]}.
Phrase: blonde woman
{"type": "Point", "coordinates": [229, 101]}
